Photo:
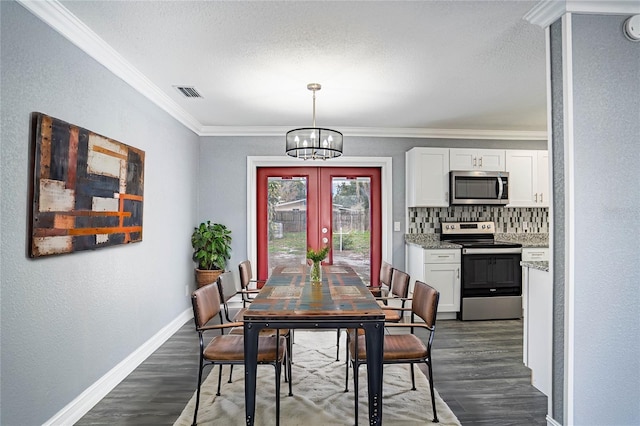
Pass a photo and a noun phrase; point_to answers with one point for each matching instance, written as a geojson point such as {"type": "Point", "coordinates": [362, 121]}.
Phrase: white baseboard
{"type": "Point", "coordinates": [552, 422]}
{"type": "Point", "coordinates": [446, 316]}
{"type": "Point", "coordinates": [81, 405]}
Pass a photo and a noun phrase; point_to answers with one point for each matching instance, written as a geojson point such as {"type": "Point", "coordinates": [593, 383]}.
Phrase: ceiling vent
{"type": "Point", "coordinates": [188, 92]}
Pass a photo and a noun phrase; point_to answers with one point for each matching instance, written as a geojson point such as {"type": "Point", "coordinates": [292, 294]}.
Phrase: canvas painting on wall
{"type": "Point", "coordinates": [87, 189]}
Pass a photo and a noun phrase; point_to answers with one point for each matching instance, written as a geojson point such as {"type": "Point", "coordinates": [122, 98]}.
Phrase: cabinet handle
{"type": "Point", "coordinates": [536, 200]}
{"type": "Point", "coordinates": [541, 197]}
{"type": "Point", "coordinates": [446, 196]}
{"type": "Point", "coordinates": [458, 273]}
{"type": "Point", "coordinates": [480, 161]}
{"type": "Point", "coordinates": [475, 161]}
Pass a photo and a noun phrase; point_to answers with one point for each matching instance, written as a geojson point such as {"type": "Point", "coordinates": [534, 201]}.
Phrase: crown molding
{"type": "Point", "coordinates": [382, 133]}
{"type": "Point", "coordinates": [548, 11]}
{"type": "Point", "coordinates": [54, 14]}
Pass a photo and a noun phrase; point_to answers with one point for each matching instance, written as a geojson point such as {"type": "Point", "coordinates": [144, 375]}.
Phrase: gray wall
{"type": "Point", "coordinates": [67, 320]}
{"type": "Point", "coordinates": [558, 220]}
{"type": "Point", "coordinates": [223, 176]}
{"type": "Point", "coordinates": [606, 202]}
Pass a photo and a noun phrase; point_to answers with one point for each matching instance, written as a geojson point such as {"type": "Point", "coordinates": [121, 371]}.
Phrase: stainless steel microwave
{"type": "Point", "coordinates": [480, 188]}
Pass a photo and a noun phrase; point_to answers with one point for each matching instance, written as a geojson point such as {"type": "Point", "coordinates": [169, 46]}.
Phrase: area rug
{"type": "Point", "coordinates": [318, 392]}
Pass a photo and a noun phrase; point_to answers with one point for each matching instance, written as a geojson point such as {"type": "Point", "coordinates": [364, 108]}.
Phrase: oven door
{"type": "Point", "coordinates": [479, 188]}
{"type": "Point", "coordinates": [489, 273]}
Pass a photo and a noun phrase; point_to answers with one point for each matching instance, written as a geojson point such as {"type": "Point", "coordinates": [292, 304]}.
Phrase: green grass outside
{"type": "Point", "coordinates": [295, 243]}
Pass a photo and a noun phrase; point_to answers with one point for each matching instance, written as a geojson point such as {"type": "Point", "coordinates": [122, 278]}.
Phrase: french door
{"type": "Point", "coordinates": [302, 207]}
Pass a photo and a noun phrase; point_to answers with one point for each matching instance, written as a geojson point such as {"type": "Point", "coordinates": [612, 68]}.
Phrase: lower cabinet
{"type": "Point", "coordinates": [538, 313]}
{"type": "Point", "coordinates": [440, 268]}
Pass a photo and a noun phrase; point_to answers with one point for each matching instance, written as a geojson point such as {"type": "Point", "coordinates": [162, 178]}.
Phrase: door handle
{"type": "Point", "coordinates": [325, 240]}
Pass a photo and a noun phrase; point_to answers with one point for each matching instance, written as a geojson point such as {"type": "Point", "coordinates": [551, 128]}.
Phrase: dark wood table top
{"type": "Point", "coordinates": [288, 294]}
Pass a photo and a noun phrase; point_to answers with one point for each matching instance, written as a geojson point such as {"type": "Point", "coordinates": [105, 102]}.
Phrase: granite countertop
{"type": "Point", "coordinates": [539, 265]}
{"type": "Point", "coordinates": [432, 241]}
{"type": "Point", "coordinates": [527, 240]}
{"type": "Point", "coordinates": [429, 241]}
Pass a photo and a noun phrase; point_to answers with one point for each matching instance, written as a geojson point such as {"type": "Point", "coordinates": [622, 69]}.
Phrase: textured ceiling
{"type": "Point", "coordinates": [474, 65]}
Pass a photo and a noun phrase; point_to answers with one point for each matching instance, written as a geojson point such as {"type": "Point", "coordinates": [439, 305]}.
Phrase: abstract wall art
{"type": "Point", "coordinates": [87, 189]}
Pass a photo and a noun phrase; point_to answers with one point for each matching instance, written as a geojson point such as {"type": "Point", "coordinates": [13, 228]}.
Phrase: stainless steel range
{"type": "Point", "coordinates": [491, 286]}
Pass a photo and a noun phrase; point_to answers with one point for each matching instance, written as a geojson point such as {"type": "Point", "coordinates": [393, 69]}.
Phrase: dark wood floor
{"type": "Point", "coordinates": [478, 371]}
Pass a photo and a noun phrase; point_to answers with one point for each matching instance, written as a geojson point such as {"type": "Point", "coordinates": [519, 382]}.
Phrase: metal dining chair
{"type": "Point", "coordinates": [402, 348]}
{"type": "Point", "coordinates": [228, 289]}
{"type": "Point", "coordinates": [247, 282]}
{"type": "Point", "coordinates": [228, 348]}
{"type": "Point", "coordinates": [398, 291]}
{"type": "Point", "coordinates": [378, 290]}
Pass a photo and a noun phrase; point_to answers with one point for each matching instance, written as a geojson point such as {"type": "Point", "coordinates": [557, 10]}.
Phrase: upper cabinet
{"type": "Point", "coordinates": [427, 177]}
{"type": "Point", "coordinates": [427, 174]}
{"type": "Point", "coordinates": [492, 160]}
{"type": "Point", "coordinates": [528, 178]}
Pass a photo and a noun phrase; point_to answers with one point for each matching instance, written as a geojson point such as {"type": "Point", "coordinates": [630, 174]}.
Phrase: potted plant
{"type": "Point", "coordinates": [211, 249]}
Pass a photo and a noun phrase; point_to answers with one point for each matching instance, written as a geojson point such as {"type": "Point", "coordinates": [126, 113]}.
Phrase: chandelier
{"type": "Point", "coordinates": [314, 143]}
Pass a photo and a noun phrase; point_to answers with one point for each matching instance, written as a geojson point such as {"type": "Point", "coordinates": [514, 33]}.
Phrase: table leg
{"type": "Point", "coordinates": [374, 336]}
{"type": "Point", "coordinates": [251, 333]}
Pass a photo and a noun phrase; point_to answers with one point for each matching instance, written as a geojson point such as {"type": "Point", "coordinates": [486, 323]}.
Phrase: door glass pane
{"type": "Point", "coordinates": [287, 221]}
{"type": "Point", "coordinates": [351, 224]}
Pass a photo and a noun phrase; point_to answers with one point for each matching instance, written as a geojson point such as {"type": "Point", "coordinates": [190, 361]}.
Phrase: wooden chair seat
{"type": "Point", "coordinates": [396, 347]}
{"type": "Point", "coordinates": [231, 348]}
{"type": "Point", "coordinates": [390, 315]}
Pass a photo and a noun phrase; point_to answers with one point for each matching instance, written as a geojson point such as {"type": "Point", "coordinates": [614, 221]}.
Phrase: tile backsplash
{"type": "Point", "coordinates": [426, 220]}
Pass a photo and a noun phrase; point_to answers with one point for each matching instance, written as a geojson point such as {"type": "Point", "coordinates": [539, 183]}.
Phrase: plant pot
{"type": "Point", "coordinates": [207, 276]}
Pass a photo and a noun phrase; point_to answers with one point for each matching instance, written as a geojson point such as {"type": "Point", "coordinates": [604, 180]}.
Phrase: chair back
{"type": "Point", "coordinates": [399, 283]}
{"type": "Point", "coordinates": [227, 286]}
{"type": "Point", "coordinates": [245, 274]}
{"type": "Point", "coordinates": [206, 304]}
{"type": "Point", "coordinates": [386, 272]}
{"type": "Point", "coordinates": [425, 303]}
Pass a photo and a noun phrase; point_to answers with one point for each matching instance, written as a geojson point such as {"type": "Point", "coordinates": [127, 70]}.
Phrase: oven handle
{"type": "Point", "coordinates": [514, 250]}
{"type": "Point", "coordinates": [500, 188]}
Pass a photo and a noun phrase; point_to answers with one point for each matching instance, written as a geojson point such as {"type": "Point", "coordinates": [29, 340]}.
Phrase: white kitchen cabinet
{"type": "Point", "coordinates": [477, 159]}
{"type": "Point", "coordinates": [528, 178]}
{"type": "Point", "coordinates": [534, 254]}
{"type": "Point", "coordinates": [538, 321]}
{"type": "Point", "coordinates": [440, 268]}
{"type": "Point", "coordinates": [427, 177]}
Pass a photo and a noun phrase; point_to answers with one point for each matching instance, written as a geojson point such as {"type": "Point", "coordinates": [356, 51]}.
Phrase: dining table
{"type": "Point", "coordinates": [341, 300]}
